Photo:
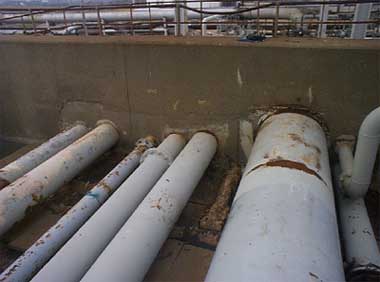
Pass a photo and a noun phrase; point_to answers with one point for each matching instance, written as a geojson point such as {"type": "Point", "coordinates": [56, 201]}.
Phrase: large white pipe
{"type": "Point", "coordinates": [73, 260]}
{"type": "Point", "coordinates": [130, 254]}
{"type": "Point", "coordinates": [49, 176]}
{"type": "Point", "coordinates": [30, 160]}
{"type": "Point", "coordinates": [143, 14]}
{"type": "Point", "coordinates": [270, 13]}
{"type": "Point", "coordinates": [282, 225]}
{"type": "Point", "coordinates": [138, 14]}
{"type": "Point", "coordinates": [47, 245]}
{"type": "Point", "coordinates": [365, 155]}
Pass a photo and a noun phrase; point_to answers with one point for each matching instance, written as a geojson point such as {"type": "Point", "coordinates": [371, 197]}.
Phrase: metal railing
{"type": "Point", "coordinates": [189, 17]}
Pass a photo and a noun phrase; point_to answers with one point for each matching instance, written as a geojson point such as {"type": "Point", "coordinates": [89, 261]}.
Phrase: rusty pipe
{"type": "Point", "coordinates": [45, 247]}
{"type": "Point", "coordinates": [30, 160]}
{"type": "Point", "coordinates": [49, 176]}
{"type": "Point", "coordinates": [91, 239]}
{"type": "Point", "coordinates": [282, 225]}
{"type": "Point", "coordinates": [129, 255]}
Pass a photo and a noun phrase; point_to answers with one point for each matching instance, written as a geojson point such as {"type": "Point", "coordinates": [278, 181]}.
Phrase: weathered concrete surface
{"type": "Point", "coordinates": [152, 84]}
{"type": "Point", "coordinates": [178, 261]}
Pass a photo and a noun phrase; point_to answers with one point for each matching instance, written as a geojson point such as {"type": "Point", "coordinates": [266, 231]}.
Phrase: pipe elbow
{"type": "Point", "coordinates": [365, 155]}
{"type": "Point", "coordinates": [370, 127]}
{"type": "Point", "coordinates": [295, 15]}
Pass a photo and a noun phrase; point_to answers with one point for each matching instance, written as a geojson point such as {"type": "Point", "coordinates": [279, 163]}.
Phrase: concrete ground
{"type": "Point", "coordinates": [187, 253]}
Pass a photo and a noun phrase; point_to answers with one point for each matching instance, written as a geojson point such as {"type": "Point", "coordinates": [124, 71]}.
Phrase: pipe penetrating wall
{"type": "Point", "coordinates": [46, 246]}
{"type": "Point", "coordinates": [282, 225]}
{"type": "Point", "coordinates": [30, 160]}
{"type": "Point", "coordinates": [91, 239]}
{"type": "Point", "coordinates": [129, 255]}
{"type": "Point", "coordinates": [49, 176]}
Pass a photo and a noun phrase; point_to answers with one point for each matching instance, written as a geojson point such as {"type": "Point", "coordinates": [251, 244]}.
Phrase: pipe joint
{"type": "Point", "coordinates": [146, 142]}
{"type": "Point", "coordinates": [109, 122]}
{"type": "Point", "coordinates": [157, 152]}
{"type": "Point", "coordinates": [344, 146]}
{"type": "Point", "coordinates": [78, 122]}
{"type": "Point", "coordinates": [368, 272]}
{"type": "Point", "coordinates": [345, 140]}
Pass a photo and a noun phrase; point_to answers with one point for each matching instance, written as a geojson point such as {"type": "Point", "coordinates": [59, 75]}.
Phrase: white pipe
{"type": "Point", "coordinates": [207, 19]}
{"type": "Point", "coordinates": [362, 13]}
{"type": "Point", "coordinates": [130, 254]}
{"type": "Point", "coordinates": [196, 5]}
{"type": "Point", "coordinates": [365, 156]}
{"type": "Point", "coordinates": [49, 176]}
{"type": "Point", "coordinates": [30, 160]}
{"type": "Point", "coordinates": [68, 30]}
{"type": "Point", "coordinates": [360, 244]}
{"type": "Point", "coordinates": [142, 14]}
{"type": "Point", "coordinates": [47, 245]}
{"type": "Point", "coordinates": [361, 247]}
{"type": "Point", "coordinates": [344, 147]}
{"type": "Point", "coordinates": [323, 16]}
{"type": "Point", "coordinates": [138, 14]}
{"type": "Point", "coordinates": [73, 260]}
{"type": "Point", "coordinates": [270, 13]}
{"type": "Point", "coordinates": [282, 225]}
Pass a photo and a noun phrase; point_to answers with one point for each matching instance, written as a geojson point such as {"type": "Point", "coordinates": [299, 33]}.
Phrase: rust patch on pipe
{"type": "Point", "coordinates": [10, 271]}
{"type": "Point", "coordinates": [157, 204]}
{"type": "Point", "coordinates": [37, 198]}
{"type": "Point", "coordinates": [146, 143]}
{"type": "Point", "coordinates": [3, 183]}
{"type": "Point", "coordinates": [295, 137]}
{"type": "Point", "coordinates": [296, 109]}
{"type": "Point", "coordinates": [308, 159]}
{"type": "Point", "coordinates": [106, 187]}
{"type": "Point", "coordinates": [288, 164]}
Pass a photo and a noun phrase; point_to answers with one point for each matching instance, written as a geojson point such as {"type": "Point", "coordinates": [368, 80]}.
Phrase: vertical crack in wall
{"type": "Point", "coordinates": [126, 88]}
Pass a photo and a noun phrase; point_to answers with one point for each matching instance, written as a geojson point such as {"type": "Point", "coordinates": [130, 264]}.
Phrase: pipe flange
{"type": "Point", "coordinates": [295, 109]}
{"type": "Point", "coordinates": [369, 272]}
{"type": "Point", "coordinates": [345, 140]}
{"type": "Point", "coordinates": [155, 151]}
{"type": "Point", "coordinates": [66, 126]}
{"type": "Point", "coordinates": [109, 122]}
{"type": "Point", "coordinates": [147, 142]}
{"type": "Point", "coordinates": [79, 122]}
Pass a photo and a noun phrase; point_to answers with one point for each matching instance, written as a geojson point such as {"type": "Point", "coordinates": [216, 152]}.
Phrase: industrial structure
{"type": "Point", "coordinates": [343, 18]}
{"type": "Point", "coordinates": [189, 140]}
